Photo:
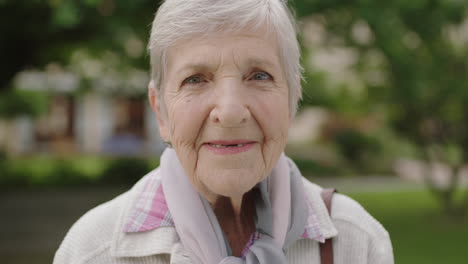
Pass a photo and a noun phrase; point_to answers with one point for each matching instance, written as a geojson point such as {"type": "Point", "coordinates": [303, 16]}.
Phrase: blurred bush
{"type": "Point", "coordinates": [316, 168]}
{"type": "Point", "coordinates": [125, 170]}
{"type": "Point", "coordinates": [16, 102]}
{"type": "Point", "coordinates": [55, 171]}
{"type": "Point", "coordinates": [358, 148]}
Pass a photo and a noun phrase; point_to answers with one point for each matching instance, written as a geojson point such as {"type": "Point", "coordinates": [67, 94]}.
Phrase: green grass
{"type": "Point", "coordinates": [419, 231]}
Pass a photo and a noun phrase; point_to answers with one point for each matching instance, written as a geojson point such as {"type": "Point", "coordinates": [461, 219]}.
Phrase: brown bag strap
{"type": "Point", "coordinates": [326, 249]}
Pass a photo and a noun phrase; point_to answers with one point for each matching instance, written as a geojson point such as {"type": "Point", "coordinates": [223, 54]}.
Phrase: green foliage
{"type": "Point", "coordinates": [35, 33]}
{"type": "Point", "coordinates": [357, 147]}
{"type": "Point", "coordinates": [125, 171]}
{"type": "Point", "coordinates": [66, 15]}
{"type": "Point", "coordinates": [426, 95]}
{"type": "Point", "coordinates": [15, 102]}
{"type": "Point", "coordinates": [316, 169]}
{"type": "Point", "coordinates": [55, 171]}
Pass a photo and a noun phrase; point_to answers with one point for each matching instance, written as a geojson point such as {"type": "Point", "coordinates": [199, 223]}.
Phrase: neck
{"type": "Point", "coordinates": [236, 205]}
{"type": "Point", "coordinates": [237, 219]}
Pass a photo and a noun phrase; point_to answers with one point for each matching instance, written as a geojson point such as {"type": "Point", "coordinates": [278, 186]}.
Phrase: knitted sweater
{"type": "Point", "coordinates": [97, 237]}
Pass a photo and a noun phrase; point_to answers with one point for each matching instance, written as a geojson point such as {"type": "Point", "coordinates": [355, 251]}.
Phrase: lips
{"type": "Point", "coordinates": [225, 147]}
{"type": "Point", "coordinates": [229, 143]}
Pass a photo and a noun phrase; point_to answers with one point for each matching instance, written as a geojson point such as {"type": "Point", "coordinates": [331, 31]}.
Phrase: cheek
{"type": "Point", "coordinates": [186, 119]}
{"type": "Point", "coordinates": [274, 117]}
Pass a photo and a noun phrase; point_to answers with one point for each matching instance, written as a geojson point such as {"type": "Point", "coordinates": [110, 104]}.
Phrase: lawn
{"type": "Point", "coordinates": [419, 232]}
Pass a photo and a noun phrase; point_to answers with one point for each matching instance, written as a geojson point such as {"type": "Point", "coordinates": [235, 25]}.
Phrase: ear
{"type": "Point", "coordinates": [154, 99]}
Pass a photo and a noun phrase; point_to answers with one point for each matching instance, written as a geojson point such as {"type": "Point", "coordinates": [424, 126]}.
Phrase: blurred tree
{"type": "Point", "coordinates": [412, 59]}
{"type": "Point", "coordinates": [37, 32]}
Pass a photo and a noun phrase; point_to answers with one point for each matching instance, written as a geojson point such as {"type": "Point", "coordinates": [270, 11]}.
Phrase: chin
{"type": "Point", "coordinates": [232, 183]}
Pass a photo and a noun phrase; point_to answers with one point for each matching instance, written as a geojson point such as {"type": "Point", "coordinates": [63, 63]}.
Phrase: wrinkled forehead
{"type": "Point", "coordinates": [259, 47]}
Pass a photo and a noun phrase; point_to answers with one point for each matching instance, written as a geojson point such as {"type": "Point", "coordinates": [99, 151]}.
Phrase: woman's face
{"type": "Point", "coordinates": [225, 110]}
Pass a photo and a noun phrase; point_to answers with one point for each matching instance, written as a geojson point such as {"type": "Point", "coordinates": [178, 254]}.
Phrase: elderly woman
{"type": "Point", "coordinates": [225, 87]}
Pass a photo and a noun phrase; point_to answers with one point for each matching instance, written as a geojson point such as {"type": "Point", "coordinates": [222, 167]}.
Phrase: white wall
{"type": "Point", "coordinates": [93, 122]}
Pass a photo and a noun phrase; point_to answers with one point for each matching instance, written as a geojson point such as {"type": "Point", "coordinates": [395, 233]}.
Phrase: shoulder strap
{"type": "Point", "coordinates": [326, 249]}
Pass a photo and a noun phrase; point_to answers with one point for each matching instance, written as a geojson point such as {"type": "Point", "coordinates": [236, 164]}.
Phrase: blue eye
{"type": "Point", "coordinates": [261, 76]}
{"type": "Point", "coordinates": [193, 79]}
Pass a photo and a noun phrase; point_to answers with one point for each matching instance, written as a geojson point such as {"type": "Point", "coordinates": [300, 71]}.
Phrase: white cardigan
{"type": "Point", "coordinates": [97, 237]}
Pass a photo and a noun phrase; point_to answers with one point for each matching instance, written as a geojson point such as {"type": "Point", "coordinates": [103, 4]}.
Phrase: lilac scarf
{"type": "Point", "coordinates": [281, 215]}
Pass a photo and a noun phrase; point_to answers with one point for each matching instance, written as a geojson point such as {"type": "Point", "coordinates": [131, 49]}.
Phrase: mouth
{"type": "Point", "coordinates": [224, 147]}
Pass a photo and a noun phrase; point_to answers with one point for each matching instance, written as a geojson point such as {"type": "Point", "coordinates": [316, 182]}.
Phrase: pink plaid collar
{"type": "Point", "coordinates": [150, 212]}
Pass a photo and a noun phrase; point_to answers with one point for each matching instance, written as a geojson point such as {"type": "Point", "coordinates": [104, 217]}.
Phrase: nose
{"type": "Point", "coordinates": [231, 108]}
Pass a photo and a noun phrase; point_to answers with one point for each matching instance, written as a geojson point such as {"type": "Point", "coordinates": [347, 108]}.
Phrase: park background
{"type": "Point", "coordinates": [384, 117]}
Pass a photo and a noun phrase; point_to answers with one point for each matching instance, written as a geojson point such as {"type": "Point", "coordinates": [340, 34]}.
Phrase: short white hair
{"type": "Point", "coordinates": [180, 19]}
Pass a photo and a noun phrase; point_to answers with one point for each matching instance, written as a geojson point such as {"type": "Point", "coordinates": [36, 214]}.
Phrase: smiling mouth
{"type": "Point", "coordinates": [227, 146]}
{"type": "Point", "coordinates": [222, 147]}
